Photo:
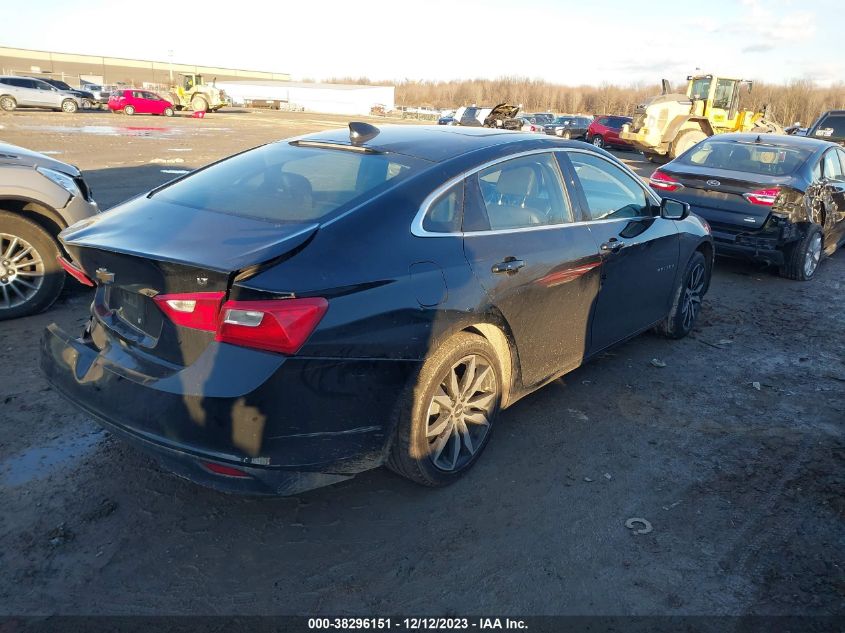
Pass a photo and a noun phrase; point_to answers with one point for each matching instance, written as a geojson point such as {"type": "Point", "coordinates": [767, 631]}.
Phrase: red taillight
{"type": "Point", "coordinates": [228, 471]}
{"type": "Point", "coordinates": [663, 182]}
{"type": "Point", "coordinates": [197, 310]}
{"type": "Point", "coordinates": [763, 197]}
{"type": "Point", "coordinates": [73, 271]}
{"type": "Point", "coordinates": [281, 325]}
{"type": "Point", "coordinates": [277, 325]}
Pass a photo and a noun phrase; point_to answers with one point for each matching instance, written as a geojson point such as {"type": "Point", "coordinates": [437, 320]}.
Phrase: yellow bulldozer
{"type": "Point", "coordinates": [667, 125]}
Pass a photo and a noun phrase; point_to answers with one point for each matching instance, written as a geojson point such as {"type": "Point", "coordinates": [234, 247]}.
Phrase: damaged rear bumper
{"type": "Point", "coordinates": [285, 424]}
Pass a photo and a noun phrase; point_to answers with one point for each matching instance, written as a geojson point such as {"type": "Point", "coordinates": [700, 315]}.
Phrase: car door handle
{"type": "Point", "coordinates": [612, 245]}
{"type": "Point", "coordinates": [511, 266]}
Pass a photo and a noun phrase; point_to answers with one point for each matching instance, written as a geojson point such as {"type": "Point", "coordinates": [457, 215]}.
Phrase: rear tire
{"type": "Point", "coordinates": [70, 106]}
{"type": "Point", "coordinates": [448, 416]}
{"type": "Point", "coordinates": [686, 301]}
{"type": "Point", "coordinates": [20, 270]}
{"type": "Point", "coordinates": [128, 110]}
{"type": "Point", "coordinates": [803, 257]}
{"type": "Point", "coordinates": [198, 104]}
{"type": "Point", "coordinates": [8, 103]}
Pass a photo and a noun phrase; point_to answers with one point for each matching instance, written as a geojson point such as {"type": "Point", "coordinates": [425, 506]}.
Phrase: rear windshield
{"type": "Point", "coordinates": [281, 182]}
{"type": "Point", "coordinates": [753, 158]}
{"type": "Point", "coordinates": [832, 126]}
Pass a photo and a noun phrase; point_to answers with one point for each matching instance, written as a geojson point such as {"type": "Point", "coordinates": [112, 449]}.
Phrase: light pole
{"type": "Point", "coordinates": [170, 58]}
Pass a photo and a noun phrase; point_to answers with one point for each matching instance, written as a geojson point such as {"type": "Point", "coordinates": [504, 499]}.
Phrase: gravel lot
{"type": "Point", "coordinates": [734, 452]}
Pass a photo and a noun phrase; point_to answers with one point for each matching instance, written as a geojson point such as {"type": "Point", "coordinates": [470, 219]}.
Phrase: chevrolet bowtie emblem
{"type": "Point", "coordinates": [104, 276]}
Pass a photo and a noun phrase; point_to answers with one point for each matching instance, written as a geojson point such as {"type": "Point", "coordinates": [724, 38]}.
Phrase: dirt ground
{"type": "Point", "coordinates": [734, 452]}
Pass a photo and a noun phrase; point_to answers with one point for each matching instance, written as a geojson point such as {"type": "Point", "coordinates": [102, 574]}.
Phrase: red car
{"type": "Point", "coordinates": [133, 101]}
{"type": "Point", "coordinates": [604, 132]}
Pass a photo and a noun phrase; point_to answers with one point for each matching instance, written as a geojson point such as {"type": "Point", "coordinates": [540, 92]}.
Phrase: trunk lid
{"type": "Point", "coordinates": [188, 251]}
{"type": "Point", "coordinates": [718, 194]}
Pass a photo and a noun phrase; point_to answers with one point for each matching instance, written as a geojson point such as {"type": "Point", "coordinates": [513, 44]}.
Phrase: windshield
{"type": "Point", "coordinates": [281, 182]}
{"type": "Point", "coordinates": [754, 158]}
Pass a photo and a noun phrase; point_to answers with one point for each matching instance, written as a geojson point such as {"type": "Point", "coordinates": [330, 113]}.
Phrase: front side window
{"type": "Point", "coordinates": [522, 193]}
{"type": "Point", "coordinates": [610, 192]}
{"type": "Point", "coordinates": [724, 93]}
{"type": "Point", "coordinates": [282, 182]}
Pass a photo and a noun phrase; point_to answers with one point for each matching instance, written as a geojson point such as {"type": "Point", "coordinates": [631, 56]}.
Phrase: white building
{"type": "Point", "coordinates": [313, 97]}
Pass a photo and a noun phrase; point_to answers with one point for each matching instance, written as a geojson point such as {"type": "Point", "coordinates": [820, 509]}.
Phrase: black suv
{"type": "Point", "coordinates": [829, 127]}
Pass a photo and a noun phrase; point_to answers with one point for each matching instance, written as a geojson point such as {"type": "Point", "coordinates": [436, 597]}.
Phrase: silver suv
{"type": "Point", "coordinates": [29, 92]}
{"type": "Point", "coordinates": [39, 197]}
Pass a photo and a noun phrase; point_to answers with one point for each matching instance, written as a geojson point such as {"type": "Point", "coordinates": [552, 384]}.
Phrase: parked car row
{"type": "Point", "coordinates": [29, 92]}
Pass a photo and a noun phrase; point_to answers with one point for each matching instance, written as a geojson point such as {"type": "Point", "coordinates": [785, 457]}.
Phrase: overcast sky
{"type": "Point", "coordinates": [616, 41]}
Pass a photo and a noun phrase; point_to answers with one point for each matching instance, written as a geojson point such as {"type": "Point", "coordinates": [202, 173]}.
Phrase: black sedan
{"type": "Point", "coordinates": [568, 127]}
{"type": "Point", "coordinates": [315, 307]}
{"type": "Point", "coordinates": [775, 198]}
{"type": "Point", "coordinates": [88, 99]}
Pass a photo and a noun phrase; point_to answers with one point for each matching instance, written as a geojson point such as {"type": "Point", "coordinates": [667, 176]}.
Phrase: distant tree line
{"type": "Point", "coordinates": [799, 100]}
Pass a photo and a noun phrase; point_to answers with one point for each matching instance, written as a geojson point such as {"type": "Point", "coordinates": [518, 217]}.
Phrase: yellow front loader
{"type": "Point", "coordinates": [669, 124]}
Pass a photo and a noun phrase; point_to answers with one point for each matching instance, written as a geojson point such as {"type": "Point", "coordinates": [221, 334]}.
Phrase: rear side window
{"type": "Point", "coordinates": [832, 126]}
{"type": "Point", "coordinates": [832, 167]}
{"type": "Point", "coordinates": [445, 214]}
{"type": "Point", "coordinates": [610, 192]}
{"type": "Point", "coordinates": [281, 182]}
{"type": "Point", "coordinates": [523, 193]}
{"type": "Point", "coordinates": [752, 158]}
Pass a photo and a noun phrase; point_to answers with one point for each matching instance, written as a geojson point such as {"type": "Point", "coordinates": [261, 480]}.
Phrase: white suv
{"type": "Point", "coordinates": [28, 92]}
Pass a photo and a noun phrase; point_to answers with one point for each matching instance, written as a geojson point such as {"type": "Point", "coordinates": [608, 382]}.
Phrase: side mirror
{"type": "Point", "coordinates": [673, 209]}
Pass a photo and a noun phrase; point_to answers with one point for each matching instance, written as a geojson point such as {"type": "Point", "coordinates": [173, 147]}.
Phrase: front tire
{"type": "Point", "coordinates": [30, 276]}
{"type": "Point", "coordinates": [686, 303]}
{"type": "Point", "coordinates": [448, 419]}
{"type": "Point", "coordinates": [70, 106]}
{"type": "Point", "coordinates": [803, 257]}
{"type": "Point", "coordinates": [598, 141]}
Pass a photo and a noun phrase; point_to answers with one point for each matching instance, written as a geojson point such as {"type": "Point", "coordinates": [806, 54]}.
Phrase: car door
{"type": "Point", "coordinates": [639, 249]}
{"type": "Point", "coordinates": [537, 266]}
{"type": "Point", "coordinates": [833, 179]}
{"type": "Point", "coordinates": [48, 96]}
{"type": "Point", "coordinates": [29, 93]}
{"type": "Point", "coordinates": [153, 103]}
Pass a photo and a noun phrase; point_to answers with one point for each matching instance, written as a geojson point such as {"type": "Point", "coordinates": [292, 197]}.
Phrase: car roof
{"type": "Point", "coordinates": [433, 143]}
{"type": "Point", "coordinates": [783, 140]}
